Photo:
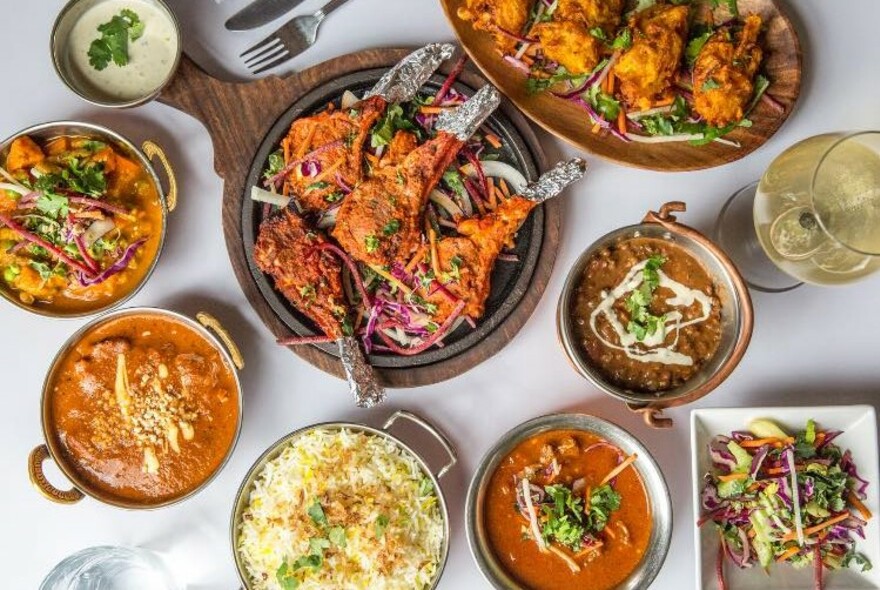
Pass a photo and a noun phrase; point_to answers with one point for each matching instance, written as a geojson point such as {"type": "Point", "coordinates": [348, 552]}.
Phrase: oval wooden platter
{"type": "Point", "coordinates": [238, 116]}
{"type": "Point", "coordinates": [566, 120]}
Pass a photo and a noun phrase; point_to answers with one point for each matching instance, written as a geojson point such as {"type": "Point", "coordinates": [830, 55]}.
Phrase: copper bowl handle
{"type": "Point", "coordinates": [38, 479]}
{"type": "Point", "coordinates": [152, 150]}
{"type": "Point", "coordinates": [652, 416]}
{"type": "Point", "coordinates": [665, 216]}
{"type": "Point", "coordinates": [213, 324]}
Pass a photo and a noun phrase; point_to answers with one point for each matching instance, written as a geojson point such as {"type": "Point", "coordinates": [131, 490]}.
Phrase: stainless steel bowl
{"type": "Point", "coordinates": [64, 23]}
{"type": "Point", "coordinates": [273, 451]}
{"type": "Point", "coordinates": [149, 150]}
{"type": "Point", "coordinates": [736, 315]}
{"type": "Point", "coordinates": [655, 486]}
{"type": "Point", "coordinates": [206, 326]}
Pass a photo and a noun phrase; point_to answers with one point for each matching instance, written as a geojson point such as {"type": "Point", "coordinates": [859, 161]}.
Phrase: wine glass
{"type": "Point", "coordinates": [813, 217]}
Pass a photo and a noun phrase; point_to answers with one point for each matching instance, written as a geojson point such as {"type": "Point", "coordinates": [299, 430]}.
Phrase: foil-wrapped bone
{"type": "Point", "coordinates": [362, 380]}
{"type": "Point", "coordinates": [463, 121]}
{"type": "Point", "coordinates": [402, 82]}
{"type": "Point", "coordinates": [555, 180]}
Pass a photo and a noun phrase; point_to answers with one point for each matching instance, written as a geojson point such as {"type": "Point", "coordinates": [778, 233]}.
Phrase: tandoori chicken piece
{"type": "Point", "coordinates": [381, 220]}
{"type": "Point", "coordinates": [505, 19]}
{"type": "Point", "coordinates": [724, 74]}
{"type": "Point", "coordinates": [647, 70]}
{"type": "Point", "coordinates": [289, 251]}
{"type": "Point", "coordinates": [567, 38]}
{"type": "Point", "coordinates": [324, 148]}
{"type": "Point", "coordinates": [466, 261]}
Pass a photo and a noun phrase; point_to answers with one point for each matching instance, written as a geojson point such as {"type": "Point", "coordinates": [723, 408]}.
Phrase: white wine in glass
{"type": "Point", "coordinates": [817, 208]}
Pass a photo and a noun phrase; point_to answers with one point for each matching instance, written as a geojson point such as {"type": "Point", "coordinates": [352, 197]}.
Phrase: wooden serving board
{"type": "Point", "coordinates": [782, 63]}
{"type": "Point", "coordinates": [238, 116]}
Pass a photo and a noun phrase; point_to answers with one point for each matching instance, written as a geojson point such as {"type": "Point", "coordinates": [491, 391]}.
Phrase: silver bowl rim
{"type": "Point", "coordinates": [273, 450]}
{"type": "Point", "coordinates": [55, 51]}
{"type": "Point", "coordinates": [105, 133]}
{"type": "Point", "coordinates": [742, 308]}
{"type": "Point", "coordinates": [658, 495]}
{"type": "Point", "coordinates": [75, 338]}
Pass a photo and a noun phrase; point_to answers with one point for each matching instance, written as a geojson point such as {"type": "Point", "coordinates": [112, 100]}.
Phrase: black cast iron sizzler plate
{"type": "Point", "coordinates": [510, 280]}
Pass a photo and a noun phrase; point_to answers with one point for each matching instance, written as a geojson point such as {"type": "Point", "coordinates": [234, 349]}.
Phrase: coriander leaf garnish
{"type": "Point", "coordinates": [316, 513]}
{"type": "Point", "coordinates": [285, 576]}
{"type": "Point", "coordinates": [371, 243]}
{"type": "Point", "coordinates": [710, 84]}
{"type": "Point", "coordinates": [113, 43]}
{"type": "Point", "coordinates": [392, 227]}
{"type": "Point", "coordinates": [274, 165]}
{"type": "Point", "coordinates": [642, 323]}
{"type": "Point", "coordinates": [380, 525]}
{"type": "Point", "coordinates": [336, 534]}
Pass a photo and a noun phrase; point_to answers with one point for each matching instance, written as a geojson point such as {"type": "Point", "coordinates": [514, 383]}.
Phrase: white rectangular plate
{"type": "Point", "coordinates": [859, 426]}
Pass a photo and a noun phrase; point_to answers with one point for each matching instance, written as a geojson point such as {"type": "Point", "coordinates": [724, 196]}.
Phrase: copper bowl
{"type": "Point", "coordinates": [737, 316]}
{"type": "Point", "coordinates": [208, 328]}
{"type": "Point", "coordinates": [149, 151]}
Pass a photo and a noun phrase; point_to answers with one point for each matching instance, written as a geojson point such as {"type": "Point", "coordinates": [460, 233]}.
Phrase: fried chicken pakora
{"type": "Point", "coordinates": [647, 70]}
{"type": "Point", "coordinates": [724, 73]}
{"type": "Point", "coordinates": [505, 19]}
{"type": "Point", "coordinates": [569, 38]}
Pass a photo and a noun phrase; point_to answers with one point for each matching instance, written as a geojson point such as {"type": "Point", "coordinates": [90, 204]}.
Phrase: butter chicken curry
{"type": "Point", "coordinates": [143, 409]}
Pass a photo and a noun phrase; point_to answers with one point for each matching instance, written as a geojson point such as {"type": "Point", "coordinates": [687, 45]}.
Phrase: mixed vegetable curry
{"type": "Point", "coordinates": [80, 223]}
{"type": "Point", "coordinates": [566, 509]}
{"type": "Point", "coordinates": [144, 409]}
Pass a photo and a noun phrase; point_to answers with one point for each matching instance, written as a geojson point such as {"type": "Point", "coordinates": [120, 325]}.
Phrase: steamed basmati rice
{"type": "Point", "coordinates": [361, 481]}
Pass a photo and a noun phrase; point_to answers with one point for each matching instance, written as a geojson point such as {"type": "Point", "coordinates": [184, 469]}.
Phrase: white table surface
{"type": "Point", "coordinates": [810, 346]}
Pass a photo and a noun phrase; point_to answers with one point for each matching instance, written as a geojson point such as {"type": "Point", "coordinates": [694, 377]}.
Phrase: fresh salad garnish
{"type": "Point", "coordinates": [781, 498]}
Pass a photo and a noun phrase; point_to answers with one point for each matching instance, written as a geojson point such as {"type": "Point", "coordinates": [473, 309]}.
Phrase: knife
{"type": "Point", "coordinates": [260, 12]}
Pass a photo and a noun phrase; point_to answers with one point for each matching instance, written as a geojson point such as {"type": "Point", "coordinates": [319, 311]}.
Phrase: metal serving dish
{"type": "Point", "coordinates": [510, 282]}
{"type": "Point", "coordinates": [143, 156]}
{"type": "Point", "coordinates": [736, 315]}
{"type": "Point", "coordinates": [206, 326]}
{"type": "Point", "coordinates": [655, 485]}
{"type": "Point", "coordinates": [61, 31]}
{"type": "Point", "coordinates": [273, 451]}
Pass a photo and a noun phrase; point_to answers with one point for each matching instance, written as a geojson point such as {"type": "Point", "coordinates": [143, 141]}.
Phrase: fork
{"type": "Point", "coordinates": [288, 41]}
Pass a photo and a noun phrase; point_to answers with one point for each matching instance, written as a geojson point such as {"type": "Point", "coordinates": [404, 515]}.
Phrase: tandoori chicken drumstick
{"type": "Point", "coordinates": [381, 220]}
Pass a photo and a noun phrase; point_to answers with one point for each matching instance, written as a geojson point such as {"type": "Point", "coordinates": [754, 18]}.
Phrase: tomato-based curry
{"type": "Point", "coordinates": [591, 513]}
{"type": "Point", "coordinates": [143, 409]}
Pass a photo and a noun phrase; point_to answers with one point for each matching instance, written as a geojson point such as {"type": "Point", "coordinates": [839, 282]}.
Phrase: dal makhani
{"type": "Point", "coordinates": [647, 314]}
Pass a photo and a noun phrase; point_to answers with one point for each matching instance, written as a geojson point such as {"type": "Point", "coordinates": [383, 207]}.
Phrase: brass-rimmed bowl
{"type": "Point", "coordinates": [148, 151]}
{"type": "Point", "coordinates": [75, 81]}
{"type": "Point", "coordinates": [737, 316]}
{"type": "Point", "coordinates": [649, 472]}
{"type": "Point", "coordinates": [243, 497]}
{"type": "Point", "coordinates": [209, 328]}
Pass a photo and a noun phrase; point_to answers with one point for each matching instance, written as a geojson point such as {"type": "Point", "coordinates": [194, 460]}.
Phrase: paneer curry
{"type": "Point", "coordinates": [567, 509]}
{"type": "Point", "coordinates": [143, 409]}
{"type": "Point", "coordinates": [81, 222]}
{"type": "Point", "coordinates": [651, 71]}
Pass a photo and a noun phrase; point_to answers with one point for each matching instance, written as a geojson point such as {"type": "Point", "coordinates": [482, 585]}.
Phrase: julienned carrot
{"type": "Point", "coordinates": [858, 505]}
{"type": "Point", "coordinates": [435, 259]}
{"type": "Point", "coordinates": [621, 121]}
{"type": "Point", "coordinates": [420, 254]}
{"type": "Point", "coordinates": [733, 476]}
{"type": "Point", "coordinates": [788, 553]}
{"type": "Point", "coordinates": [596, 128]}
{"type": "Point", "coordinates": [617, 470]}
{"type": "Point", "coordinates": [504, 188]}
{"type": "Point", "coordinates": [493, 140]}
{"type": "Point", "coordinates": [391, 279]}
{"type": "Point", "coordinates": [760, 442]}
{"type": "Point", "coordinates": [432, 110]}
{"type": "Point", "coordinates": [816, 528]}
{"type": "Point", "coordinates": [304, 147]}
